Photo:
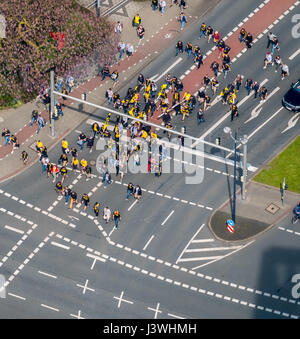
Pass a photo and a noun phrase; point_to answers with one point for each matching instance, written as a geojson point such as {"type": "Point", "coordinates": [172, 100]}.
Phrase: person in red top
{"type": "Point", "coordinates": [217, 37]}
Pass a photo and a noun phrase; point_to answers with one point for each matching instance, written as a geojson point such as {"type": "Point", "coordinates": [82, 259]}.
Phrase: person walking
{"type": "Point", "coordinates": [248, 85]}
{"type": "Point", "coordinates": [249, 40]}
{"type": "Point", "coordinates": [255, 87]}
{"type": "Point", "coordinates": [24, 157]}
{"type": "Point", "coordinates": [215, 68]}
{"type": "Point", "coordinates": [140, 33]}
{"type": "Point", "coordinates": [270, 39]}
{"type": "Point", "coordinates": [182, 19]}
{"type": "Point", "coordinates": [117, 218]}
{"type": "Point", "coordinates": [121, 49]}
{"type": "Point", "coordinates": [136, 21]}
{"type": "Point", "coordinates": [6, 135]}
{"type": "Point", "coordinates": [85, 200]}
{"type": "Point", "coordinates": [234, 111]}
{"type": "Point", "coordinates": [118, 27]}
{"type": "Point", "coordinates": [138, 193]}
{"type": "Point", "coordinates": [277, 62]}
{"type": "Point", "coordinates": [275, 45]}
{"type": "Point", "coordinates": [268, 60]}
{"type": "Point", "coordinates": [200, 116]}
{"type": "Point", "coordinates": [162, 6]}
{"type": "Point", "coordinates": [199, 60]}
{"type": "Point", "coordinates": [96, 208]}
{"type": "Point", "coordinates": [106, 214]}
{"type": "Point", "coordinates": [34, 116]}
{"type": "Point", "coordinates": [67, 193]}
{"type": "Point", "coordinates": [179, 47]}
{"type": "Point", "coordinates": [284, 71]}
{"type": "Point", "coordinates": [41, 122]}
{"type": "Point", "coordinates": [130, 190]}
{"type": "Point", "coordinates": [73, 199]}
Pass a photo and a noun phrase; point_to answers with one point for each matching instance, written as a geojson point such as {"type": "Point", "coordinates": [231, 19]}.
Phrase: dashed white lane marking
{"type": "Point", "coordinates": [289, 230]}
{"type": "Point", "coordinates": [193, 288]}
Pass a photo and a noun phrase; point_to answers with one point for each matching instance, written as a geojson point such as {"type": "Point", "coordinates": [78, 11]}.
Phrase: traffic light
{"type": "Point", "coordinates": [218, 141]}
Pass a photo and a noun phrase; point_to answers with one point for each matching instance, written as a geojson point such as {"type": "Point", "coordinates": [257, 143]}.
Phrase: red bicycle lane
{"type": "Point", "coordinates": [256, 25]}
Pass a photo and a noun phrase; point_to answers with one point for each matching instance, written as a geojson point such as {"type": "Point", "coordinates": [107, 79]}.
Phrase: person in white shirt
{"type": "Point", "coordinates": [284, 71]}
{"type": "Point", "coordinates": [119, 27]}
{"type": "Point", "coordinates": [278, 62]}
{"type": "Point", "coordinates": [121, 48]}
{"type": "Point", "coordinates": [129, 49]}
{"type": "Point", "coordinates": [268, 60]}
{"type": "Point", "coordinates": [162, 5]}
{"type": "Point", "coordinates": [106, 214]}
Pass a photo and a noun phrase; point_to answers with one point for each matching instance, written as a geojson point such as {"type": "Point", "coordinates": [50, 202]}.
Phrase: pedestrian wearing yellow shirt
{"type": "Point", "coordinates": [83, 164]}
{"type": "Point", "coordinates": [64, 146]}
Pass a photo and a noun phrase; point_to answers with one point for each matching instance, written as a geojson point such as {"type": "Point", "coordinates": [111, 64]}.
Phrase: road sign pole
{"type": "Point", "coordinates": [98, 8]}
{"type": "Point", "coordinates": [244, 167]}
{"type": "Point", "coordinates": [234, 179]}
{"type": "Point", "coordinates": [52, 102]}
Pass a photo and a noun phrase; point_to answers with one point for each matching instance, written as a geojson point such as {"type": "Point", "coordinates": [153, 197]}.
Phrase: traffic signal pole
{"type": "Point", "coordinates": [52, 102]}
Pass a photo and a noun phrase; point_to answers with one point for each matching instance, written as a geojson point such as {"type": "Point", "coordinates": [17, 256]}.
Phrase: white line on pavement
{"type": "Point", "coordinates": [208, 249]}
{"type": "Point", "coordinates": [167, 218]}
{"type": "Point", "coordinates": [203, 240]}
{"type": "Point", "coordinates": [294, 54]}
{"type": "Point", "coordinates": [132, 205]}
{"type": "Point", "coordinates": [188, 244]}
{"type": "Point", "coordinates": [14, 229]}
{"type": "Point", "coordinates": [50, 308]}
{"type": "Point", "coordinates": [200, 258]}
{"type": "Point", "coordinates": [48, 275]}
{"type": "Point", "coordinates": [60, 245]}
{"type": "Point", "coordinates": [16, 296]}
{"type": "Point", "coordinates": [168, 69]}
{"type": "Point", "coordinates": [255, 112]}
{"type": "Point", "coordinates": [148, 242]}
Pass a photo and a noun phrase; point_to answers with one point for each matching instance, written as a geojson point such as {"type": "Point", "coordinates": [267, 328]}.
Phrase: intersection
{"type": "Point", "coordinates": [163, 262]}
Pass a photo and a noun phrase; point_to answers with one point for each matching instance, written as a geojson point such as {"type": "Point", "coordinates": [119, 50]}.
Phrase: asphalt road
{"type": "Point", "coordinates": [162, 261]}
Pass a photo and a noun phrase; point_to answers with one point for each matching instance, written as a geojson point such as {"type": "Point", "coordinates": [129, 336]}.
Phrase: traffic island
{"type": "Point", "coordinates": [262, 209]}
{"type": "Point", "coordinates": [244, 228]}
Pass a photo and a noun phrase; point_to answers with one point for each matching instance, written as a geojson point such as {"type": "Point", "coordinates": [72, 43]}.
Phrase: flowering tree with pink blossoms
{"type": "Point", "coordinates": [31, 45]}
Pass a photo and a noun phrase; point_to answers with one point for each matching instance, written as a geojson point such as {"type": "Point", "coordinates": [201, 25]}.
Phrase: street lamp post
{"type": "Point", "coordinates": [52, 101]}
{"type": "Point", "coordinates": [243, 141]}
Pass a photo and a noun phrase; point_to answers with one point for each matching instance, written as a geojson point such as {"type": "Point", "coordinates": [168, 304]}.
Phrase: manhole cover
{"type": "Point", "coordinates": [272, 208]}
{"type": "Point", "coordinates": [92, 162]}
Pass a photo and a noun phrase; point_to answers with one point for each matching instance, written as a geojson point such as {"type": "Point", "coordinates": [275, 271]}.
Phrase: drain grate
{"type": "Point", "coordinates": [272, 208]}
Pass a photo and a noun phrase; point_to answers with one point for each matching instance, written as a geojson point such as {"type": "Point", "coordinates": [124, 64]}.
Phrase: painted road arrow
{"type": "Point", "coordinates": [255, 112]}
{"type": "Point", "coordinates": [292, 122]}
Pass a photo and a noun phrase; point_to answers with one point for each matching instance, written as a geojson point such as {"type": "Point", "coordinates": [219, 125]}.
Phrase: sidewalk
{"type": "Point", "coordinates": [159, 31]}
{"type": "Point", "coordinates": [261, 210]}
